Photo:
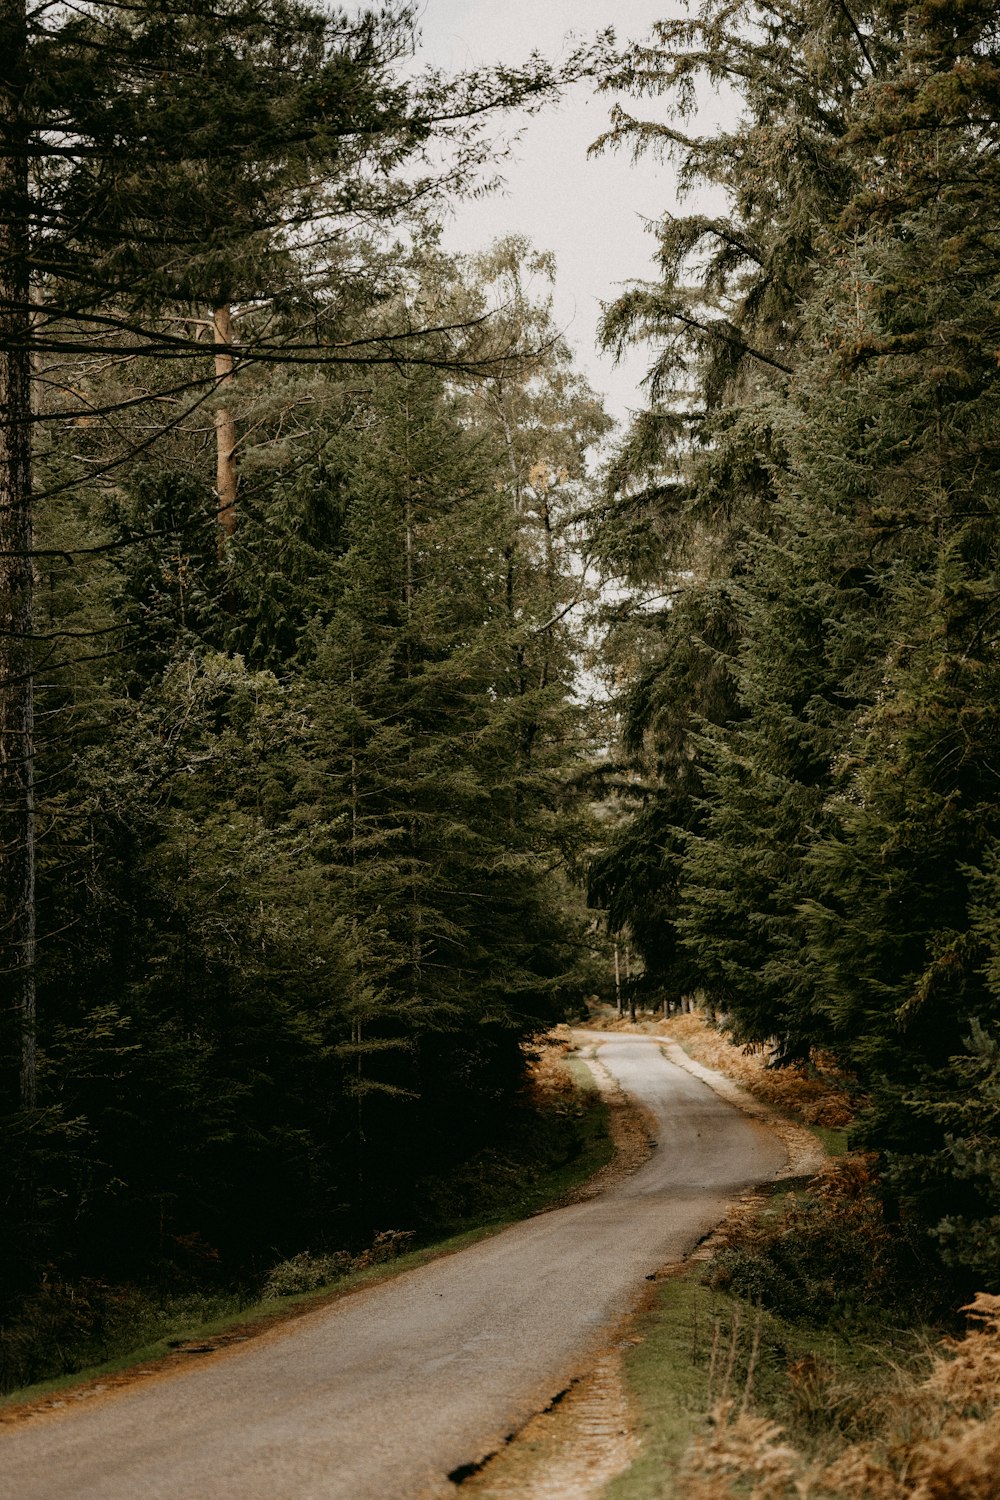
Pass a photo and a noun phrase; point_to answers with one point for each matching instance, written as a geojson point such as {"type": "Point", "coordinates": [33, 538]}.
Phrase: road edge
{"type": "Point", "coordinates": [805, 1154]}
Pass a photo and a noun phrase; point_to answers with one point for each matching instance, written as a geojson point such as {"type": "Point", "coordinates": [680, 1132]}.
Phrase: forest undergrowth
{"type": "Point", "coordinates": [734, 1400]}
{"type": "Point", "coordinates": [926, 1429]}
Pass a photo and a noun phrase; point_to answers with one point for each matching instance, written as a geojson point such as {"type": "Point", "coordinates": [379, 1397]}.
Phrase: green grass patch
{"type": "Point", "coordinates": [667, 1378]}
{"type": "Point", "coordinates": [593, 1149]}
{"type": "Point", "coordinates": [832, 1139]}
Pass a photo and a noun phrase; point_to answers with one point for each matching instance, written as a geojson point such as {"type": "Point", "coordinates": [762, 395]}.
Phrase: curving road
{"type": "Point", "coordinates": [383, 1394]}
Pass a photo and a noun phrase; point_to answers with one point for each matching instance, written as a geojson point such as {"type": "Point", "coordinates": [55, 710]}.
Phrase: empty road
{"type": "Point", "coordinates": [383, 1394]}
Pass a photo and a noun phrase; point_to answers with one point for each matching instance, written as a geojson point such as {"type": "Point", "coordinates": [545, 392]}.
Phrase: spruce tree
{"type": "Point", "coordinates": [836, 877]}
{"type": "Point", "coordinates": [694, 492]}
{"type": "Point", "coordinates": [17, 738]}
{"type": "Point", "coordinates": [900, 927]}
{"type": "Point", "coordinates": [181, 157]}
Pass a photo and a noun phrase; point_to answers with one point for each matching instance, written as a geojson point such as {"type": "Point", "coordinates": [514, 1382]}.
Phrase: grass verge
{"type": "Point", "coordinates": [702, 1350]}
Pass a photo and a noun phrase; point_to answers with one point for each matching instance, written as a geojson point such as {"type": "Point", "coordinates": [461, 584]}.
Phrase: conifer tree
{"type": "Point", "coordinates": [17, 743]}
{"type": "Point", "coordinates": [302, 883]}
{"type": "Point", "coordinates": [693, 492]}
{"type": "Point", "coordinates": [180, 157]}
{"type": "Point", "coordinates": [834, 885]}
{"type": "Point", "coordinates": [900, 925]}
{"type": "Point", "coordinates": [441, 770]}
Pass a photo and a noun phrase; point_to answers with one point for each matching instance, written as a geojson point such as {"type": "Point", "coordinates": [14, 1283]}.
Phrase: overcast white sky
{"type": "Point", "coordinates": [589, 212]}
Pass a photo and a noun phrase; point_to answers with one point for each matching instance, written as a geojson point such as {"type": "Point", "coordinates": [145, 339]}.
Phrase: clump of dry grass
{"type": "Point", "coordinates": [936, 1436]}
{"type": "Point", "coordinates": [817, 1094]}
{"type": "Point", "coordinates": [741, 1448]}
{"type": "Point", "coordinates": [549, 1079]}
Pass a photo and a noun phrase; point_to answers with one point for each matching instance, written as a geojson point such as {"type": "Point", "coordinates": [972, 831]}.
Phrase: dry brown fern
{"type": "Point", "coordinates": [968, 1379]}
{"type": "Point", "coordinates": [816, 1095]}
{"type": "Point", "coordinates": [939, 1437]}
{"type": "Point", "coordinates": [740, 1447]}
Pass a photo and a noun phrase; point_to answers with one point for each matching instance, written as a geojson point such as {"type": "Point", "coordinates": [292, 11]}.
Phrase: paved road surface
{"type": "Point", "coordinates": [381, 1395]}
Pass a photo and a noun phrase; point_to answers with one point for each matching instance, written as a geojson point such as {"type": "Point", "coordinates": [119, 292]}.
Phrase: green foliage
{"type": "Point", "coordinates": [311, 819]}
{"type": "Point", "coordinates": [64, 1327]}
{"type": "Point", "coordinates": [208, 153]}
{"type": "Point", "coordinates": [306, 796]}
{"type": "Point", "coordinates": [819, 837]}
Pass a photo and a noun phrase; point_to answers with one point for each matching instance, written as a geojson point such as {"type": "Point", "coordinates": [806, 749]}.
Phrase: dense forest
{"type": "Point", "coordinates": [292, 772]}
{"type": "Point", "coordinates": [306, 823]}
{"type": "Point", "coordinates": [806, 514]}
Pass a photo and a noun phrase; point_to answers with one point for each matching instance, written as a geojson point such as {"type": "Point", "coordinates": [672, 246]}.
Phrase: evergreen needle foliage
{"type": "Point", "coordinates": [806, 517]}
{"type": "Point", "coordinates": [290, 804]}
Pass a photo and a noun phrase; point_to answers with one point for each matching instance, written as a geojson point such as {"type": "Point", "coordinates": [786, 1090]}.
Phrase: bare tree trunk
{"type": "Point", "coordinates": [550, 582]}
{"type": "Point", "coordinates": [225, 428]}
{"type": "Point", "coordinates": [416, 936]}
{"type": "Point", "coordinates": [17, 809]}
